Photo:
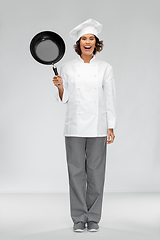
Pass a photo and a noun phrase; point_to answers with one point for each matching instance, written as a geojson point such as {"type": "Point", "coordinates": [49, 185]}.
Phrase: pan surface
{"type": "Point", "coordinates": [47, 47]}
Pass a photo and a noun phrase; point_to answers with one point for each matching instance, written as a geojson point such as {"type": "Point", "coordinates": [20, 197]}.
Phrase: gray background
{"type": "Point", "coordinates": [32, 151]}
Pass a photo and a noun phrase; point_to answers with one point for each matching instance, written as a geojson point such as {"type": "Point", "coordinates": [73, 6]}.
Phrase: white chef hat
{"type": "Point", "coordinates": [89, 26]}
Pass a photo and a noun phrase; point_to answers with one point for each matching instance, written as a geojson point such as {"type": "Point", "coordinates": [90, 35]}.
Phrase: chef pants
{"type": "Point", "coordinates": [86, 161]}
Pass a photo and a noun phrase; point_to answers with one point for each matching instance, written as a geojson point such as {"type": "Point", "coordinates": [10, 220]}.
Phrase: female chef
{"type": "Point", "coordinates": [86, 86]}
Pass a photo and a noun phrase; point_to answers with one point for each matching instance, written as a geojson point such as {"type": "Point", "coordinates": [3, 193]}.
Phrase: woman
{"type": "Point", "coordinates": [86, 86]}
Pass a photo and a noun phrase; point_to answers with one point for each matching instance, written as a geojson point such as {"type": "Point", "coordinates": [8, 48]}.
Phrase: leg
{"type": "Point", "coordinates": [95, 167]}
{"type": "Point", "coordinates": [75, 152]}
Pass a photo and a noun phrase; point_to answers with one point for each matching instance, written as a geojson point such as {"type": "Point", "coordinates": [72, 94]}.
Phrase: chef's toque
{"type": "Point", "coordinates": [90, 26]}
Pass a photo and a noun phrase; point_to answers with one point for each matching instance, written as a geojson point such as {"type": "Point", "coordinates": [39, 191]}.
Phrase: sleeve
{"type": "Point", "coordinates": [65, 87]}
{"type": "Point", "coordinates": [110, 97]}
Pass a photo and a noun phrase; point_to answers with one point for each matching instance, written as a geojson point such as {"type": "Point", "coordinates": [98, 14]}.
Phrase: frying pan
{"type": "Point", "coordinates": [47, 48]}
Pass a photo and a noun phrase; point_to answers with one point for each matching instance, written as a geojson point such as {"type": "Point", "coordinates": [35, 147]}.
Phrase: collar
{"type": "Point", "coordinates": [92, 60]}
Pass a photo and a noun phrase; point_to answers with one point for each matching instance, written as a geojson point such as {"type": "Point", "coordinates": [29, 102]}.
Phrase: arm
{"type": "Point", "coordinates": [110, 96]}
{"type": "Point", "coordinates": [58, 82]}
{"type": "Point", "coordinates": [61, 90]}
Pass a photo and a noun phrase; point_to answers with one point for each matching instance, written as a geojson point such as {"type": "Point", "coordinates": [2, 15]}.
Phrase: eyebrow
{"type": "Point", "coordinates": [89, 37]}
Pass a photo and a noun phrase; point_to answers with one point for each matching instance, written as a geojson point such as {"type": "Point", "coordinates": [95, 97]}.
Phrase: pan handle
{"type": "Point", "coordinates": [55, 70]}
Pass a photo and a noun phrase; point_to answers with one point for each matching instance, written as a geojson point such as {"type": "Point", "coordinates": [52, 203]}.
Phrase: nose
{"type": "Point", "coordinates": [87, 40]}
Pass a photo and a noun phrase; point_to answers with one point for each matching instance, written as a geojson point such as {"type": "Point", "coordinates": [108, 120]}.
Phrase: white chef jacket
{"type": "Point", "coordinates": [89, 94]}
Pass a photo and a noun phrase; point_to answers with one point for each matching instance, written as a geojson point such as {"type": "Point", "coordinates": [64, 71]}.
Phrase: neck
{"type": "Point", "coordinates": [86, 58]}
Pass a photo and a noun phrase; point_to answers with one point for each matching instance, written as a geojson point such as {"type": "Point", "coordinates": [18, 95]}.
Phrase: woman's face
{"type": "Point", "coordinates": [87, 44]}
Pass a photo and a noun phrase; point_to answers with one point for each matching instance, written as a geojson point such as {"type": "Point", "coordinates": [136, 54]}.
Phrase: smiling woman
{"type": "Point", "coordinates": [98, 45]}
{"type": "Point", "coordinates": [86, 86]}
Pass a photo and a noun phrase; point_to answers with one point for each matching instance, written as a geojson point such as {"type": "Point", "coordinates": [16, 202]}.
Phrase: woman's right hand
{"type": "Point", "coordinates": [58, 82]}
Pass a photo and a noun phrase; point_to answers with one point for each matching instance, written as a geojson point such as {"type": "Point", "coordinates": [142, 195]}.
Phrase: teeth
{"type": "Point", "coordinates": [87, 47]}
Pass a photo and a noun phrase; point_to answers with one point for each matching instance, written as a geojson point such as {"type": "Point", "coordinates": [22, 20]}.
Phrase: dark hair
{"type": "Point", "coordinates": [98, 46]}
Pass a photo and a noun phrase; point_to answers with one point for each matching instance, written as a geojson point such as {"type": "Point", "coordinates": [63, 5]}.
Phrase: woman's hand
{"type": "Point", "coordinates": [111, 136]}
{"type": "Point", "coordinates": [58, 82]}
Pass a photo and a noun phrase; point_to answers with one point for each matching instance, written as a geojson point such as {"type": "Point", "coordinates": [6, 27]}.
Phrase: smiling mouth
{"type": "Point", "coordinates": [87, 47]}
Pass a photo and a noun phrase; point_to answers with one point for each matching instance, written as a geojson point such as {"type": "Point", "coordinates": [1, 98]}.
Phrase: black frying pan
{"type": "Point", "coordinates": [47, 48]}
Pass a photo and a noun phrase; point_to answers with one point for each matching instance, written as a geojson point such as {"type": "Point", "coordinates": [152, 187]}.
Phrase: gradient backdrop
{"type": "Point", "coordinates": [32, 150]}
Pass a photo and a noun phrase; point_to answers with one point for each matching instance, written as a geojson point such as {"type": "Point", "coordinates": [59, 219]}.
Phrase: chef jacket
{"type": "Point", "coordinates": [89, 94]}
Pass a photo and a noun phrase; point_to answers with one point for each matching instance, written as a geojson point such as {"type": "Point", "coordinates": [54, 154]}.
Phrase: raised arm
{"type": "Point", "coordinates": [58, 82]}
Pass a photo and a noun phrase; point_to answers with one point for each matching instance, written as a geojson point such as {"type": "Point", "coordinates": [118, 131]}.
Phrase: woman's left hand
{"type": "Point", "coordinates": [111, 136]}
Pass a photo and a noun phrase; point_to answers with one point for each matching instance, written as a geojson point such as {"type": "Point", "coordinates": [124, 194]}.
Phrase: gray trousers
{"type": "Point", "coordinates": [86, 161]}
